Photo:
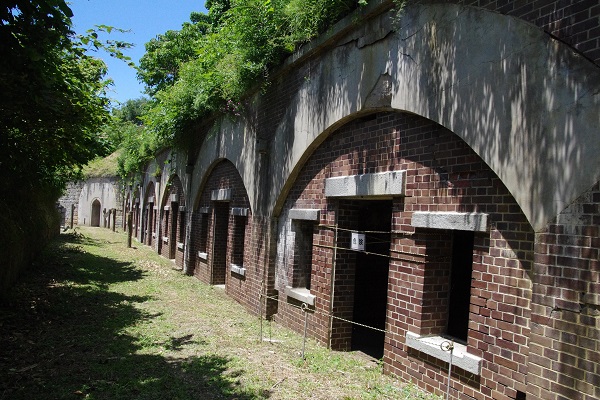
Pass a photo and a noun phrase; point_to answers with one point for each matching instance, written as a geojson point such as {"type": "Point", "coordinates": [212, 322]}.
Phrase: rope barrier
{"type": "Point", "coordinates": [304, 306]}
{"type": "Point", "coordinates": [375, 254]}
{"type": "Point", "coordinates": [306, 309]}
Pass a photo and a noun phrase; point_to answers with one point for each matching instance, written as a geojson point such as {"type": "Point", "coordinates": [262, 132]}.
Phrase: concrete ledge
{"type": "Point", "coordinates": [476, 222]}
{"type": "Point", "coordinates": [238, 269]}
{"type": "Point", "coordinates": [165, 239]}
{"type": "Point", "coordinates": [307, 214]}
{"type": "Point", "coordinates": [174, 198]}
{"type": "Point", "coordinates": [150, 199]}
{"type": "Point", "coordinates": [239, 211]}
{"type": "Point", "coordinates": [154, 235]}
{"type": "Point", "coordinates": [182, 209]}
{"type": "Point", "coordinates": [180, 245]}
{"type": "Point", "coordinates": [220, 195]}
{"type": "Point", "coordinates": [431, 345]}
{"type": "Point", "coordinates": [204, 210]}
{"type": "Point", "coordinates": [166, 208]}
{"type": "Point", "coordinates": [383, 184]}
{"type": "Point", "coordinates": [202, 255]}
{"type": "Point", "coordinates": [300, 294]}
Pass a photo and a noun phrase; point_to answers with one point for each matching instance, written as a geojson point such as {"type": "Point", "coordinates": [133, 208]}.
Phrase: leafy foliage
{"type": "Point", "coordinates": [53, 101]}
{"type": "Point", "coordinates": [53, 104]}
{"type": "Point", "coordinates": [206, 68]}
{"type": "Point", "coordinates": [215, 60]}
{"type": "Point", "coordinates": [159, 67]}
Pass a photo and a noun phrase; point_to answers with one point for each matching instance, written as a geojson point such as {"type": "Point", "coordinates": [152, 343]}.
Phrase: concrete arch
{"type": "Point", "coordinates": [236, 142]}
{"type": "Point", "coordinates": [524, 102]}
{"type": "Point", "coordinates": [199, 181]}
{"type": "Point", "coordinates": [173, 182]}
{"type": "Point", "coordinates": [202, 180]}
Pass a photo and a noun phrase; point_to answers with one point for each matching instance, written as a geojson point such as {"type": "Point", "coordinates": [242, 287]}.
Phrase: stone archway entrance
{"type": "Point", "coordinates": [96, 207]}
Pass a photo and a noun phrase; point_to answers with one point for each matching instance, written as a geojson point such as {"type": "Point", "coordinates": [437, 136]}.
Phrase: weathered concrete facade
{"type": "Point", "coordinates": [93, 202]}
{"type": "Point", "coordinates": [461, 149]}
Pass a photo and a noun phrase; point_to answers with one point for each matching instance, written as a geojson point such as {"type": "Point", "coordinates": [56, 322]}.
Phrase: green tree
{"type": "Point", "coordinates": [131, 111]}
{"type": "Point", "coordinates": [159, 67]}
{"type": "Point", "coordinates": [247, 39]}
{"type": "Point", "coordinates": [52, 106]}
{"type": "Point", "coordinates": [53, 101]}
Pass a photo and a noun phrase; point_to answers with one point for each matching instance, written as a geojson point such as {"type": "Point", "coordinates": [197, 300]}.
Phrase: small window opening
{"type": "Point", "coordinates": [203, 232]}
{"type": "Point", "coordinates": [459, 295]}
{"type": "Point", "coordinates": [303, 246]}
{"type": "Point", "coordinates": [239, 237]}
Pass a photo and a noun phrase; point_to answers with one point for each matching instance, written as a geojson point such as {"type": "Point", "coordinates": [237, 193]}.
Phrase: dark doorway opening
{"type": "Point", "coordinates": [460, 285]}
{"type": "Point", "coordinates": [371, 282]}
{"type": "Point", "coordinates": [96, 207]}
{"type": "Point", "coordinates": [219, 245]}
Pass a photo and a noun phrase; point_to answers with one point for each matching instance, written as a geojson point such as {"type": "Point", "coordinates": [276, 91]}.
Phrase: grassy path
{"type": "Point", "coordinates": [96, 320]}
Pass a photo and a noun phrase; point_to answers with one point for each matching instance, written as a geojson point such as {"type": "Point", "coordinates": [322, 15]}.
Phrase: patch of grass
{"type": "Point", "coordinates": [103, 167]}
{"type": "Point", "coordinates": [96, 320]}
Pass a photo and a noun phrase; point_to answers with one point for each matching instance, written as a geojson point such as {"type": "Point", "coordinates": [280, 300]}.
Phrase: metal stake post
{"type": "Point", "coordinates": [448, 346]}
{"type": "Point", "coordinates": [305, 310]}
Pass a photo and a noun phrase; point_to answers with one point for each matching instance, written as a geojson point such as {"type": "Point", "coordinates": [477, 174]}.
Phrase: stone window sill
{"type": "Point", "coordinates": [203, 256]}
{"type": "Point", "coordinates": [165, 239]}
{"type": "Point", "coordinates": [238, 269]}
{"type": "Point", "coordinates": [180, 245]}
{"type": "Point", "coordinates": [431, 345]}
{"type": "Point", "coordinates": [301, 294]}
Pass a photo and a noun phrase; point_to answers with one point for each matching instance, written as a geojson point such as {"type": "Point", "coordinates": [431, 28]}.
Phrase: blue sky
{"type": "Point", "coordinates": [145, 18]}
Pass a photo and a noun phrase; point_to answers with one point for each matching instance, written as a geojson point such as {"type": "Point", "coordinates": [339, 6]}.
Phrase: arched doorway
{"type": "Point", "coordinates": [96, 207]}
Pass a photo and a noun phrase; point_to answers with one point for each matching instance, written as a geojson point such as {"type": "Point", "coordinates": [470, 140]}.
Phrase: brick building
{"type": "Point", "coordinates": [435, 178]}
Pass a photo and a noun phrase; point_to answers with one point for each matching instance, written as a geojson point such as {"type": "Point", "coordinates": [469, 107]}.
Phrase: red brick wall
{"type": "Point", "coordinates": [175, 219]}
{"type": "Point", "coordinates": [148, 222]}
{"type": "Point", "coordinates": [215, 270]}
{"type": "Point", "coordinates": [565, 328]}
{"type": "Point", "coordinates": [200, 231]}
{"type": "Point", "coordinates": [180, 236]}
{"type": "Point", "coordinates": [443, 174]}
{"type": "Point", "coordinates": [163, 230]}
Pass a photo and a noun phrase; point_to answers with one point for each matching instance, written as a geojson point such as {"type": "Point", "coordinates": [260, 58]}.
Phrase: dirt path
{"type": "Point", "coordinates": [96, 320]}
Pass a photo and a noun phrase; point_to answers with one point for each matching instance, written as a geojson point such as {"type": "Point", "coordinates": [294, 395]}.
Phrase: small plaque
{"type": "Point", "coordinates": [358, 241]}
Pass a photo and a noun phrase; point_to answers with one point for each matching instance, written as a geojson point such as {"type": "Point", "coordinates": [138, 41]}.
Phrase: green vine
{"type": "Point", "coordinates": [206, 68]}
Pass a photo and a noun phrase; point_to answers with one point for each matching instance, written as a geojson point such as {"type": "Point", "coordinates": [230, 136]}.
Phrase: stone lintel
{"type": "Point", "coordinates": [382, 184]}
{"type": "Point", "coordinates": [476, 222]}
{"type": "Point", "coordinates": [221, 195]}
{"type": "Point", "coordinates": [239, 211]}
{"type": "Point", "coordinates": [307, 214]}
